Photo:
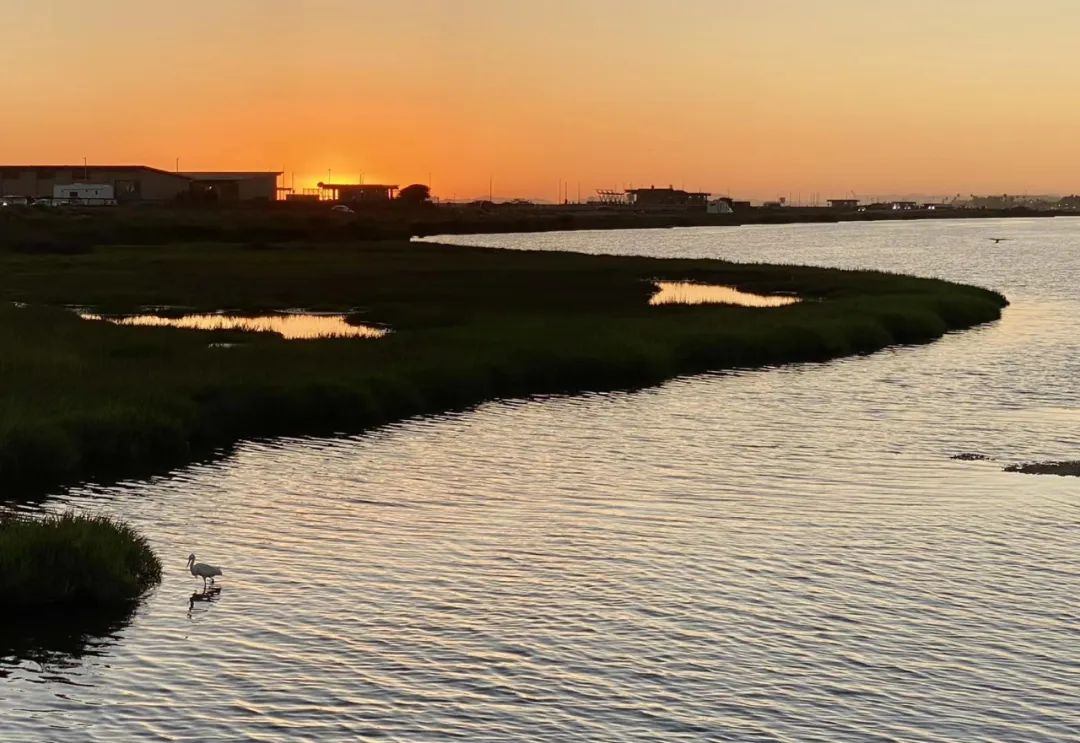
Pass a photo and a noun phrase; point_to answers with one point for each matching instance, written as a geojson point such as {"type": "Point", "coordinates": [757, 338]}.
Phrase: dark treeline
{"type": "Point", "coordinates": [78, 230]}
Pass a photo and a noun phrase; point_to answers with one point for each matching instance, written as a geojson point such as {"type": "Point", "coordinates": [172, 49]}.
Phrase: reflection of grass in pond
{"type": "Point", "coordinates": [685, 292]}
{"type": "Point", "coordinates": [59, 640]}
{"type": "Point", "coordinates": [84, 398]}
{"type": "Point", "coordinates": [289, 326]}
{"type": "Point", "coordinates": [72, 560]}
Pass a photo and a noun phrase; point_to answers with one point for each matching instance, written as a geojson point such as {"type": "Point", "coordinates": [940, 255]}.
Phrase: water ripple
{"type": "Point", "coordinates": [779, 555]}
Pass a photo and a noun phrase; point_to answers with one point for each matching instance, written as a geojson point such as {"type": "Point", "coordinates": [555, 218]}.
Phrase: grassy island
{"type": "Point", "coordinates": [81, 398]}
{"type": "Point", "coordinates": [81, 561]}
{"type": "Point", "coordinates": [1064, 469]}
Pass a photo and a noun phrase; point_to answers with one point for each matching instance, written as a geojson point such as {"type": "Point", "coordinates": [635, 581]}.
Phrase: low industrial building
{"type": "Point", "coordinates": [359, 193]}
{"type": "Point", "coordinates": [849, 205]}
{"type": "Point", "coordinates": [667, 198]}
{"type": "Point", "coordinates": [238, 186]}
{"type": "Point", "coordinates": [890, 206]}
{"type": "Point", "coordinates": [139, 183]}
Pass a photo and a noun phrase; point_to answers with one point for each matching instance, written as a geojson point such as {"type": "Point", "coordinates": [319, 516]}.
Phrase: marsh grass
{"type": "Point", "coordinates": [77, 560]}
{"type": "Point", "coordinates": [91, 399]}
{"type": "Point", "coordinates": [1063, 469]}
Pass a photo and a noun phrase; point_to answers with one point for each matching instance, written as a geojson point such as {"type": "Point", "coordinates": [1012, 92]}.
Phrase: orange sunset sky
{"type": "Point", "coordinates": [758, 99]}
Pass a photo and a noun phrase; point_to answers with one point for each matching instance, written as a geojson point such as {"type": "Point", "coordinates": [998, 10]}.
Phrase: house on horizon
{"type": "Point", "coordinates": [140, 183]}
{"type": "Point", "coordinates": [667, 198]}
{"type": "Point", "coordinates": [844, 204]}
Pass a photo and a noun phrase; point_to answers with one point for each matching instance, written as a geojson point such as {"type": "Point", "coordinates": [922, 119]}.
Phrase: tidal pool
{"type": "Point", "coordinates": [291, 326]}
{"type": "Point", "coordinates": [685, 292]}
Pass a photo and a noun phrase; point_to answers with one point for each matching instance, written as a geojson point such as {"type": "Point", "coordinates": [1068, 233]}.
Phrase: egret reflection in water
{"type": "Point", "coordinates": [207, 595]}
{"type": "Point", "coordinates": [685, 292]}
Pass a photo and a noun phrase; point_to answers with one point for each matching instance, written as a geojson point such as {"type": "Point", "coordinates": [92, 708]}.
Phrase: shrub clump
{"type": "Point", "coordinates": [69, 559]}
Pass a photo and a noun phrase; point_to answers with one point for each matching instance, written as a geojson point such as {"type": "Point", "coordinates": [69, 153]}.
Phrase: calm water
{"type": "Point", "coordinates": [291, 326]}
{"type": "Point", "coordinates": [776, 555]}
{"type": "Point", "coordinates": [685, 292]}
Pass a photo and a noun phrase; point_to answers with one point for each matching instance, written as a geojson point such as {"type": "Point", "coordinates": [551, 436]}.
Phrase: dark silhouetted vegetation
{"type": "Point", "coordinates": [415, 195]}
{"type": "Point", "coordinates": [91, 399]}
{"type": "Point", "coordinates": [76, 560]}
{"type": "Point", "coordinates": [79, 230]}
{"type": "Point", "coordinates": [1070, 469]}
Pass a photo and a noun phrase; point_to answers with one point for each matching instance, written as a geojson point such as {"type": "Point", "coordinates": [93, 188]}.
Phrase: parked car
{"type": "Point", "coordinates": [342, 209]}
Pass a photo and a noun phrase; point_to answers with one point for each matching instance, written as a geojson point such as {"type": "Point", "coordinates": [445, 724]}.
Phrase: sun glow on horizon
{"type": "Point", "coordinates": [487, 97]}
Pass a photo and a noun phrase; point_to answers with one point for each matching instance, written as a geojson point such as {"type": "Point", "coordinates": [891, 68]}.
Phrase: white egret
{"type": "Point", "coordinates": [202, 570]}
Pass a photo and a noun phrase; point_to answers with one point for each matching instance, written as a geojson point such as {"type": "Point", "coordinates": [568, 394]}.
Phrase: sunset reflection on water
{"type": "Point", "coordinates": [289, 326]}
{"type": "Point", "coordinates": [684, 292]}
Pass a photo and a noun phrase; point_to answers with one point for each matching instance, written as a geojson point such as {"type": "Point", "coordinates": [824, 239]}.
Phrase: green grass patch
{"type": "Point", "coordinates": [85, 399]}
{"type": "Point", "coordinates": [76, 560]}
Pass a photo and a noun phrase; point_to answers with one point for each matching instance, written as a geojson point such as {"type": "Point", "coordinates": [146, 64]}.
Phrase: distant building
{"type": "Point", "coordinates": [359, 193]}
{"type": "Point", "coordinates": [719, 206]}
{"type": "Point", "coordinates": [609, 197]}
{"type": "Point", "coordinates": [240, 186]}
{"type": "Point", "coordinates": [138, 183]}
{"type": "Point", "coordinates": [667, 198]}
{"type": "Point", "coordinates": [844, 204]}
{"type": "Point", "coordinates": [890, 206]}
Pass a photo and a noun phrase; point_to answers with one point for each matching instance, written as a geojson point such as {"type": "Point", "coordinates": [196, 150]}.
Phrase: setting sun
{"type": "Point", "coordinates": [748, 99]}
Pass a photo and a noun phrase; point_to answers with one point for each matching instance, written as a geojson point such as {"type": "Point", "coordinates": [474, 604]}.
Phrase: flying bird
{"type": "Point", "coordinates": [997, 239]}
{"type": "Point", "coordinates": [202, 570]}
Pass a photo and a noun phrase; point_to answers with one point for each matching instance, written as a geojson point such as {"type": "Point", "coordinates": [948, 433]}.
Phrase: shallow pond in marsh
{"type": "Point", "coordinates": [289, 325]}
{"type": "Point", "coordinates": [783, 554]}
{"type": "Point", "coordinates": [685, 292]}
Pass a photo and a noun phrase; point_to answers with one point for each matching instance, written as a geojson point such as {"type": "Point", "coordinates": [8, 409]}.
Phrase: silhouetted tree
{"type": "Point", "coordinates": [417, 194]}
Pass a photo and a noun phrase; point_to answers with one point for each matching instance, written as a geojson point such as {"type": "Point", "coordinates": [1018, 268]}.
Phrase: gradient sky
{"type": "Point", "coordinates": [754, 98]}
